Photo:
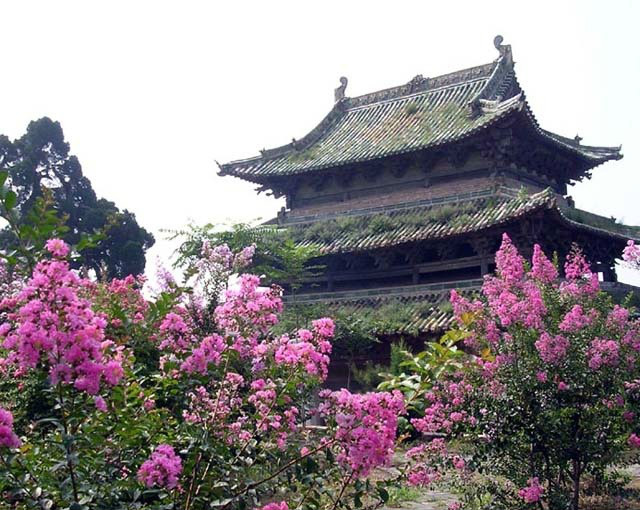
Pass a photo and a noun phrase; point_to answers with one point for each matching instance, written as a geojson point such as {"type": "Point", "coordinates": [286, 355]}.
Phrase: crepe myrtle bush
{"type": "Point", "coordinates": [550, 395]}
{"type": "Point", "coordinates": [154, 405]}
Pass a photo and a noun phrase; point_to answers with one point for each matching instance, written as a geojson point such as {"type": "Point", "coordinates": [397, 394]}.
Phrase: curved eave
{"type": "Point", "coordinates": [632, 232]}
{"type": "Point", "coordinates": [591, 155]}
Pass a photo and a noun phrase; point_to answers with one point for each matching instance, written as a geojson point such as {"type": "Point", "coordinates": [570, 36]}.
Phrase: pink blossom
{"type": "Point", "coordinates": [176, 336]}
{"type": "Point", "coordinates": [552, 349]}
{"type": "Point", "coordinates": [100, 404]}
{"type": "Point", "coordinates": [576, 319]}
{"type": "Point", "coordinates": [563, 386]}
{"type": "Point", "coordinates": [208, 351]}
{"type": "Point", "coordinates": [509, 263]}
{"type": "Point", "coordinates": [532, 492]}
{"type": "Point", "coordinates": [308, 352]}
{"type": "Point", "coordinates": [8, 437]}
{"type": "Point", "coordinates": [631, 253]}
{"type": "Point", "coordinates": [421, 475]}
{"type": "Point", "coordinates": [54, 326]}
{"type": "Point", "coordinates": [634, 441]}
{"type": "Point", "coordinates": [580, 279]}
{"type": "Point", "coordinates": [282, 505]}
{"type": "Point", "coordinates": [542, 268]}
{"type": "Point", "coordinates": [603, 352]}
{"type": "Point", "coordinates": [247, 311]}
{"type": "Point", "coordinates": [57, 247]}
{"type": "Point", "coordinates": [162, 469]}
{"type": "Point", "coordinates": [541, 376]}
{"type": "Point", "coordinates": [459, 463]}
{"type": "Point", "coordinates": [366, 427]}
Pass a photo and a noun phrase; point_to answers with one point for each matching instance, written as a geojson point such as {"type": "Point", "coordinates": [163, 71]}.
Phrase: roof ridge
{"type": "Point", "coordinates": [421, 84]}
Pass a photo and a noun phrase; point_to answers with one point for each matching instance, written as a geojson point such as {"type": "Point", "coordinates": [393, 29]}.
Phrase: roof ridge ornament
{"type": "Point", "coordinates": [339, 92]}
{"type": "Point", "coordinates": [503, 49]}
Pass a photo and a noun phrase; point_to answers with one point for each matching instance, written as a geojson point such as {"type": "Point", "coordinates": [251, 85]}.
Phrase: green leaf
{"type": "Point", "coordinates": [10, 200]}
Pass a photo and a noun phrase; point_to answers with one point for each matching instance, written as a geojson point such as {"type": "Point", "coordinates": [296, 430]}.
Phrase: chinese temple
{"type": "Point", "coordinates": [407, 191]}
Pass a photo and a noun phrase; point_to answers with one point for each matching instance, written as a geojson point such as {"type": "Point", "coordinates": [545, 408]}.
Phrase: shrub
{"type": "Point", "coordinates": [551, 395]}
{"type": "Point", "coordinates": [168, 403]}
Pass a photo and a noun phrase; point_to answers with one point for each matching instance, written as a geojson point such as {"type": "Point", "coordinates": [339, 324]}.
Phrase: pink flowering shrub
{"type": "Point", "coordinates": [178, 402]}
{"type": "Point", "coordinates": [365, 427]}
{"type": "Point", "coordinates": [162, 469]}
{"type": "Point", "coordinates": [550, 389]}
{"type": "Point", "coordinates": [8, 438]}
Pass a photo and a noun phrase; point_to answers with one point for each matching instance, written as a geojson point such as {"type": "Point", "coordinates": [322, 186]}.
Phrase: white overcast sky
{"type": "Point", "coordinates": [150, 93]}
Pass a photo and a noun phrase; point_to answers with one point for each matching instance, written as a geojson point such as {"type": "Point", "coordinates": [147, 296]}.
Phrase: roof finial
{"type": "Point", "coordinates": [339, 92]}
{"type": "Point", "coordinates": [577, 139]}
{"type": "Point", "coordinates": [504, 49]}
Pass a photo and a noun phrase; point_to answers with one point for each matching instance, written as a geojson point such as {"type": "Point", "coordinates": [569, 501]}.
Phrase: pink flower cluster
{"type": "Point", "coordinates": [603, 352]}
{"type": "Point", "coordinates": [208, 351]}
{"type": "Point", "coordinates": [247, 312]}
{"type": "Point", "coordinates": [222, 409]}
{"type": "Point", "coordinates": [580, 279]}
{"type": "Point", "coordinates": [223, 259]}
{"type": "Point", "coordinates": [426, 460]}
{"type": "Point", "coordinates": [175, 335]}
{"type": "Point", "coordinates": [511, 297]}
{"type": "Point", "coordinates": [445, 408]}
{"type": "Point", "coordinates": [8, 437]}
{"type": "Point", "coordinates": [162, 469]}
{"type": "Point", "coordinates": [57, 247]}
{"type": "Point", "coordinates": [532, 492]}
{"type": "Point", "coordinates": [50, 323]}
{"type": "Point", "coordinates": [575, 319]}
{"type": "Point", "coordinates": [552, 348]}
{"type": "Point", "coordinates": [631, 254]}
{"type": "Point", "coordinates": [309, 350]}
{"type": "Point", "coordinates": [634, 441]}
{"type": "Point", "coordinates": [542, 268]}
{"type": "Point", "coordinates": [275, 506]}
{"type": "Point", "coordinates": [365, 426]}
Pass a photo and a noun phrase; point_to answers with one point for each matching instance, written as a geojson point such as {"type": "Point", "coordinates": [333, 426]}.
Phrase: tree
{"type": "Point", "coordinates": [39, 161]}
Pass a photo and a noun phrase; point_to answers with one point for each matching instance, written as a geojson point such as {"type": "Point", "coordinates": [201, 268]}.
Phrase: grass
{"type": "Point", "coordinates": [404, 494]}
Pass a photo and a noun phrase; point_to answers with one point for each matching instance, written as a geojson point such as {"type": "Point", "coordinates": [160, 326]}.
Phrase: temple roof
{"type": "Point", "coordinates": [409, 310]}
{"type": "Point", "coordinates": [416, 309]}
{"type": "Point", "coordinates": [421, 114]}
{"type": "Point", "coordinates": [376, 228]}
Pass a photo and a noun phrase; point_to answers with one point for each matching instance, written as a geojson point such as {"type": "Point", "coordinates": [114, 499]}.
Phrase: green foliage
{"type": "Point", "coordinates": [422, 370]}
{"type": "Point", "coordinates": [277, 257]}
